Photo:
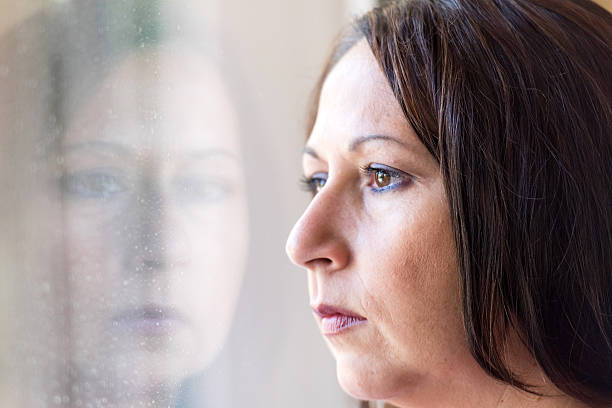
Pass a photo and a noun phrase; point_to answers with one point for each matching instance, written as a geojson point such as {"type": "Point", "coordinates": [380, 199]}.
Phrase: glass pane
{"type": "Point", "coordinates": [149, 162]}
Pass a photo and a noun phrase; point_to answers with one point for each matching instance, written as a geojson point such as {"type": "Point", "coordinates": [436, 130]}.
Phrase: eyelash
{"type": "Point", "coordinates": [370, 171]}
{"type": "Point", "coordinates": [310, 183]}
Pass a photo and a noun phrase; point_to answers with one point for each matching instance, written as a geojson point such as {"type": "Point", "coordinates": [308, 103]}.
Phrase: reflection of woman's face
{"type": "Point", "coordinates": [155, 221]}
{"type": "Point", "coordinates": [378, 245]}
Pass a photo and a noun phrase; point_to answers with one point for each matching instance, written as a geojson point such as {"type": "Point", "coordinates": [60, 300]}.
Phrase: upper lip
{"type": "Point", "coordinates": [325, 310]}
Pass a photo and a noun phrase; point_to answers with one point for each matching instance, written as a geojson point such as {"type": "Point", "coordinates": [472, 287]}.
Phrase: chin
{"type": "Point", "coordinates": [144, 371]}
{"type": "Point", "coordinates": [369, 379]}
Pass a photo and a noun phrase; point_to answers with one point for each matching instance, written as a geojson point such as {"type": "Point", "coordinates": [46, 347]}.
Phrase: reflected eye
{"type": "Point", "coordinates": [91, 184]}
{"type": "Point", "coordinates": [314, 183]}
{"type": "Point", "coordinates": [195, 188]}
{"type": "Point", "coordinates": [383, 178]}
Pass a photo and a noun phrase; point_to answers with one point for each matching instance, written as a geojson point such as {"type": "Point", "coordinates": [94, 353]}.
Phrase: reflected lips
{"type": "Point", "coordinates": [335, 320]}
{"type": "Point", "coordinates": [150, 320]}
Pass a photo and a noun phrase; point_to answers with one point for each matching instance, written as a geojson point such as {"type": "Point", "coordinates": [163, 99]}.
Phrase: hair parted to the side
{"type": "Point", "coordinates": [514, 100]}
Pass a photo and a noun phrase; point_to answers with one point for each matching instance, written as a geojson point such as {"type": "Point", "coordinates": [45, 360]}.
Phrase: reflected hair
{"type": "Point", "coordinates": [513, 99]}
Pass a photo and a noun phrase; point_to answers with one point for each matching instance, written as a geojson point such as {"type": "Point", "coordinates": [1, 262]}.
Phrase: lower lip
{"type": "Point", "coordinates": [337, 324]}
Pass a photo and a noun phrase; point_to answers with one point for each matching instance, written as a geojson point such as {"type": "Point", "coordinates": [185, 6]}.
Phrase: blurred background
{"type": "Point", "coordinates": [149, 163]}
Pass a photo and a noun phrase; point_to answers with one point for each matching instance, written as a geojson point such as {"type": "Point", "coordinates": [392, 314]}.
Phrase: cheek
{"type": "Point", "coordinates": [91, 243]}
{"type": "Point", "coordinates": [217, 238]}
{"type": "Point", "coordinates": [98, 284]}
{"type": "Point", "coordinates": [208, 284]}
{"type": "Point", "coordinates": [98, 237]}
{"type": "Point", "coordinates": [413, 288]}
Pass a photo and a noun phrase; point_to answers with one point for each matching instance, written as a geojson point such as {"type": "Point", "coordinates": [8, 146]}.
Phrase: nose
{"type": "Point", "coordinates": [160, 242]}
{"type": "Point", "coordinates": [320, 238]}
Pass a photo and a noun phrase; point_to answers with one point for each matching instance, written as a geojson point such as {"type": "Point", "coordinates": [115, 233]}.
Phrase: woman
{"type": "Point", "coordinates": [458, 240]}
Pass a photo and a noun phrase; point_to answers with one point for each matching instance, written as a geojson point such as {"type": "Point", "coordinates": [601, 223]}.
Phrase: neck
{"type": "Point", "coordinates": [467, 386]}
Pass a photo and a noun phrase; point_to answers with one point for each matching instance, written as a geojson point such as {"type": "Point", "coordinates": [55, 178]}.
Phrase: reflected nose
{"type": "Point", "coordinates": [320, 238]}
{"type": "Point", "coordinates": [161, 242]}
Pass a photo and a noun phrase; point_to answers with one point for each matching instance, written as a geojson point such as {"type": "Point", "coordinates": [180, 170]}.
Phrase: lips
{"type": "Point", "coordinates": [335, 320]}
{"type": "Point", "coordinates": [149, 320]}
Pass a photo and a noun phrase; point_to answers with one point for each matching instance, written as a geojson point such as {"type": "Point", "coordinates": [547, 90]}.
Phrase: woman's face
{"type": "Point", "coordinates": [377, 243]}
{"type": "Point", "coordinates": [154, 220]}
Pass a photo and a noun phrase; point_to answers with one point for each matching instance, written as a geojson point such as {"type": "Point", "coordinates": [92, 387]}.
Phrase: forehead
{"type": "Point", "coordinates": [169, 98]}
{"type": "Point", "coordinates": [356, 99]}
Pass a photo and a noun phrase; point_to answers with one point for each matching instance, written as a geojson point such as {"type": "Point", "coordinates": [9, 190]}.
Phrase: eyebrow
{"type": "Point", "coordinates": [97, 145]}
{"type": "Point", "coordinates": [206, 153]}
{"type": "Point", "coordinates": [310, 151]}
{"type": "Point", "coordinates": [355, 143]}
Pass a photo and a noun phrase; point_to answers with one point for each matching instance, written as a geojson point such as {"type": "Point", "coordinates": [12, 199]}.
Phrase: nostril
{"type": "Point", "coordinates": [324, 261]}
{"type": "Point", "coordinates": [319, 263]}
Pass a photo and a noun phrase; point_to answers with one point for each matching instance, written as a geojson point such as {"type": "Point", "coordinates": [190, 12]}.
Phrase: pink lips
{"type": "Point", "coordinates": [335, 320]}
{"type": "Point", "coordinates": [149, 320]}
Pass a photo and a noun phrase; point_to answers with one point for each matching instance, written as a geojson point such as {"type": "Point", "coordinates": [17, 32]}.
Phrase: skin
{"type": "Point", "coordinates": [142, 203]}
{"type": "Point", "coordinates": [388, 255]}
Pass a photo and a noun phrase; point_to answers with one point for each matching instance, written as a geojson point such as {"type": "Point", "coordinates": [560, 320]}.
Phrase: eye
{"type": "Point", "coordinates": [314, 183]}
{"type": "Point", "coordinates": [202, 189]}
{"type": "Point", "coordinates": [383, 178]}
{"type": "Point", "coordinates": [91, 184]}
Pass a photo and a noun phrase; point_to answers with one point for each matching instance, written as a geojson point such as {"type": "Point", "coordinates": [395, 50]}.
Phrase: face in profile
{"type": "Point", "coordinates": [154, 222]}
{"type": "Point", "coordinates": [377, 242]}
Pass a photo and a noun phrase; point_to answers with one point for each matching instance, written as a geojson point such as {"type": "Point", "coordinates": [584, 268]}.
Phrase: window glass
{"type": "Point", "coordinates": [149, 157]}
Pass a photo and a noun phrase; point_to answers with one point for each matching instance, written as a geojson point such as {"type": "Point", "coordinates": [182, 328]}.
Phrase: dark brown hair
{"type": "Point", "coordinates": [513, 98]}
